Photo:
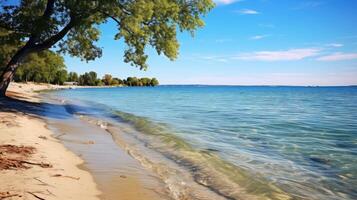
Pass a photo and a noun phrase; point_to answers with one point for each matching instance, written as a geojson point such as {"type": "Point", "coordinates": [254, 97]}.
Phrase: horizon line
{"type": "Point", "coordinates": [258, 85]}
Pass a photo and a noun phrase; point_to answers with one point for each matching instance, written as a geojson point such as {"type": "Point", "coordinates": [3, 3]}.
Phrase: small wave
{"type": "Point", "coordinates": [206, 167]}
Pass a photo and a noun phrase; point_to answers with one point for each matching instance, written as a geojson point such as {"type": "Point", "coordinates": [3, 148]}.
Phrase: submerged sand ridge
{"type": "Point", "coordinates": [121, 172]}
{"type": "Point", "coordinates": [117, 174]}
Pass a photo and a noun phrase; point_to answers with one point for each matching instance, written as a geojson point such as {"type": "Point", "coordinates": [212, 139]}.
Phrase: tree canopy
{"type": "Point", "coordinates": [71, 26]}
{"type": "Point", "coordinates": [46, 67]}
{"type": "Point", "coordinates": [49, 67]}
{"type": "Point", "coordinates": [72, 77]}
{"type": "Point", "coordinates": [90, 79]}
{"type": "Point", "coordinates": [40, 24]}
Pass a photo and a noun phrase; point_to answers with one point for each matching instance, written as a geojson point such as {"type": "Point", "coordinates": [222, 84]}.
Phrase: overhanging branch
{"type": "Point", "coordinates": [55, 38]}
{"type": "Point", "coordinates": [45, 17]}
{"type": "Point", "coordinates": [112, 17]}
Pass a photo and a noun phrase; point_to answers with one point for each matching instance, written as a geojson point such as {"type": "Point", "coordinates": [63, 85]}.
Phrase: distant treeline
{"type": "Point", "coordinates": [48, 67]}
{"type": "Point", "coordinates": [90, 79]}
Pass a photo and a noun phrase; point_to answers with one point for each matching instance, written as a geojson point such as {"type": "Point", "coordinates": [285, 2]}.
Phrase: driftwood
{"type": "Point", "coordinates": [60, 175]}
{"type": "Point", "coordinates": [43, 165]}
{"type": "Point", "coordinates": [4, 195]}
{"type": "Point", "coordinates": [42, 137]}
{"type": "Point", "coordinates": [33, 194]}
{"type": "Point", "coordinates": [8, 163]}
{"type": "Point", "coordinates": [42, 182]}
{"type": "Point", "coordinates": [13, 149]}
{"type": "Point", "coordinates": [8, 152]}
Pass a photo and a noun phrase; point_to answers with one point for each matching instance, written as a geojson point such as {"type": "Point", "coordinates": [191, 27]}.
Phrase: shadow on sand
{"type": "Point", "coordinates": [16, 103]}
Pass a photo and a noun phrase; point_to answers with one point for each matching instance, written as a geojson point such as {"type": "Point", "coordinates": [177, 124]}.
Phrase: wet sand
{"type": "Point", "coordinates": [49, 170]}
{"type": "Point", "coordinates": [94, 168]}
{"type": "Point", "coordinates": [117, 174]}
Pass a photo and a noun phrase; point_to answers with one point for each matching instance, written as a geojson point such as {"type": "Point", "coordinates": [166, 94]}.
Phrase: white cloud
{"type": "Point", "coordinates": [288, 55]}
{"type": "Point", "coordinates": [226, 2]}
{"type": "Point", "coordinates": [334, 45]}
{"type": "Point", "coordinates": [338, 57]}
{"type": "Point", "coordinates": [248, 12]}
{"type": "Point", "coordinates": [258, 37]}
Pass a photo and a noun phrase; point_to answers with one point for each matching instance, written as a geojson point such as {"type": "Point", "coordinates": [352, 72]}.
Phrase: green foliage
{"type": "Point", "coordinates": [48, 67]}
{"type": "Point", "coordinates": [154, 82]}
{"type": "Point", "coordinates": [117, 81]}
{"type": "Point", "coordinates": [7, 47]}
{"type": "Point", "coordinates": [41, 24]}
{"type": "Point", "coordinates": [61, 77]}
{"type": "Point", "coordinates": [107, 79]}
{"type": "Point", "coordinates": [72, 77]}
{"type": "Point", "coordinates": [45, 67]}
{"type": "Point", "coordinates": [133, 81]}
{"type": "Point", "coordinates": [88, 79]}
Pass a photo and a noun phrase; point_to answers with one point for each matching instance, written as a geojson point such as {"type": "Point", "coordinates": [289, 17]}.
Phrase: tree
{"type": "Point", "coordinates": [61, 77]}
{"type": "Point", "coordinates": [7, 49]}
{"type": "Point", "coordinates": [81, 80]}
{"type": "Point", "coordinates": [115, 81]}
{"type": "Point", "coordinates": [72, 77]}
{"type": "Point", "coordinates": [92, 81]}
{"type": "Point", "coordinates": [132, 81]}
{"type": "Point", "coordinates": [107, 79]}
{"type": "Point", "coordinates": [88, 79]}
{"type": "Point", "coordinates": [145, 81]}
{"type": "Point", "coordinates": [53, 63]}
{"type": "Point", "coordinates": [154, 82]}
{"type": "Point", "coordinates": [40, 67]}
{"type": "Point", "coordinates": [71, 25]}
{"type": "Point", "coordinates": [129, 81]}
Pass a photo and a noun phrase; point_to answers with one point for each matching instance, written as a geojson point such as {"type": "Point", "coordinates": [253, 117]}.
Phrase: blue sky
{"type": "Point", "coordinates": [251, 42]}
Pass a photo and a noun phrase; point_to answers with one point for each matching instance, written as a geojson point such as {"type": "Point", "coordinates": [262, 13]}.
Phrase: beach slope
{"type": "Point", "coordinates": [33, 164]}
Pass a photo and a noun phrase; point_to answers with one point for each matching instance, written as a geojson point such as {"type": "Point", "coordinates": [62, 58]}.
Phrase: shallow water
{"type": "Point", "coordinates": [274, 142]}
{"type": "Point", "coordinates": [117, 175]}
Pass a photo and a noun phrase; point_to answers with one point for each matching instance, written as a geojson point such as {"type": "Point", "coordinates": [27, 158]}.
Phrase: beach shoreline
{"type": "Point", "coordinates": [130, 155]}
{"type": "Point", "coordinates": [159, 173]}
{"type": "Point", "coordinates": [94, 166]}
{"type": "Point", "coordinates": [44, 168]}
{"type": "Point", "coordinates": [127, 177]}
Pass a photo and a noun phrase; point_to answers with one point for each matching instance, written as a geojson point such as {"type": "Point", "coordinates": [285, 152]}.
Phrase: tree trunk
{"type": "Point", "coordinates": [10, 70]}
{"type": "Point", "coordinates": [6, 78]}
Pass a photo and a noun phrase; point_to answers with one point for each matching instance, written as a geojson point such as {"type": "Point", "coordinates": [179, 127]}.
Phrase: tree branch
{"type": "Point", "coordinates": [45, 17]}
{"type": "Point", "coordinates": [55, 38]}
{"type": "Point", "coordinates": [122, 7]}
{"type": "Point", "coordinates": [112, 17]}
{"type": "Point", "coordinates": [49, 9]}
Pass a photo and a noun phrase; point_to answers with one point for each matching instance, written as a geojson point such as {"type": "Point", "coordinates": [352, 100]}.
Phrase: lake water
{"type": "Point", "coordinates": [270, 142]}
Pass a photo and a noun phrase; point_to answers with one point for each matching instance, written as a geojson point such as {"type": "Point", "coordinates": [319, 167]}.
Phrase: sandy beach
{"type": "Point", "coordinates": [35, 165]}
{"type": "Point", "coordinates": [48, 152]}
{"type": "Point", "coordinates": [44, 158]}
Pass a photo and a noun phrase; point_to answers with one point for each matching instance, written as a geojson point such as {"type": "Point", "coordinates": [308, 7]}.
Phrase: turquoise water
{"type": "Point", "coordinates": [302, 140]}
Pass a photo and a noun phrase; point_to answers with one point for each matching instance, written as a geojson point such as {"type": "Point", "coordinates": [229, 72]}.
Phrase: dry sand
{"type": "Point", "coordinates": [51, 171]}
